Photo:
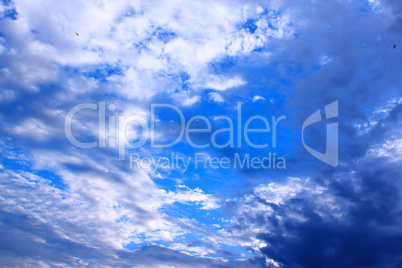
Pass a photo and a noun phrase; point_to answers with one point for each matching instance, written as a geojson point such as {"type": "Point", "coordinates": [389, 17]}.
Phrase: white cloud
{"type": "Point", "coordinates": [391, 149]}
{"type": "Point", "coordinates": [197, 196]}
{"type": "Point", "coordinates": [325, 59]}
{"type": "Point", "coordinates": [256, 98]}
{"type": "Point", "coordinates": [376, 116]}
{"type": "Point", "coordinates": [184, 98]}
{"type": "Point", "coordinates": [32, 127]}
{"type": "Point", "coordinates": [279, 193]}
{"type": "Point", "coordinates": [215, 97]}
{"type": "Point", "coordinates": [191, 101]}
{"type": "Point", "coordinates": [222, 83]}
{"type": "Point", "coordinates": [202, 32]}
{"type": "Point", "coordinates": [98, 207]}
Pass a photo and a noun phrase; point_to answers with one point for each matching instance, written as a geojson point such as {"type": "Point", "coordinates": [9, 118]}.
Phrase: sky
{"type": "Point", "coordinates": [200, 133]}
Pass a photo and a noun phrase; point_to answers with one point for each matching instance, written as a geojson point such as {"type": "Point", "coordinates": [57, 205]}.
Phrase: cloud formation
{"type": "Point", "coordinates": [66, 206]}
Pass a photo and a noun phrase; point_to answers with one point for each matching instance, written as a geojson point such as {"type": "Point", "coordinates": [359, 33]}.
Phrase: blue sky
{"type": "Point", "coordinates": [62, 205]}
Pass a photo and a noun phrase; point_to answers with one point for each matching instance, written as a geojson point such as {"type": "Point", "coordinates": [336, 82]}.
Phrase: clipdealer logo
{"type": "Point", "coordinates": [330, 156]}
{"type": "Point", "coordinates": [112, 133]}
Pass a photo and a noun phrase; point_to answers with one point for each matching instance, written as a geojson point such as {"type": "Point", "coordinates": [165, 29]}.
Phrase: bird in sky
{"type": "Point", "coordinates": [394, 46]}
{"type": "Point", "coordinates": [77, 34]}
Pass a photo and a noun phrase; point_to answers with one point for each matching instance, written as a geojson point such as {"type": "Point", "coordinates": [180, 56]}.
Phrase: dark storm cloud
{"type": "Point", "coordinates": [366, 235]}
{"type": "Point", "coordinates": [355, 219]}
